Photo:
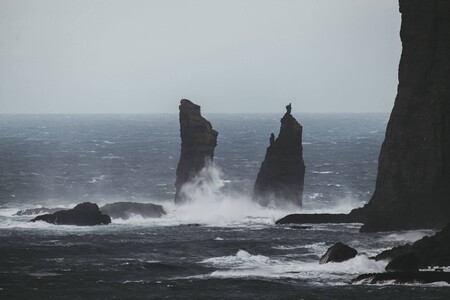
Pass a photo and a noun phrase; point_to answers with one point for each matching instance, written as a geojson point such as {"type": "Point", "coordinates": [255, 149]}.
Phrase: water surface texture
{"type": "Point", "coordinates": [221, 246]}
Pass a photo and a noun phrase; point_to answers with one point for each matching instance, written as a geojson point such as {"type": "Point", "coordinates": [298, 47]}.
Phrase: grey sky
{"type": "Point", "coordinates": [127, 56]}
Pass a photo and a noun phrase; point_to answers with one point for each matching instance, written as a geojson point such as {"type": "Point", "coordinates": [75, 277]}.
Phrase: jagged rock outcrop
{"type": "Point", "coordinates": [403, 277]}
{"type": "Point", "coordinates": [281, 177]}
{"type": "Point", "coordinates": [403, 263]}
{"type": "Point", "coordinates": [84, 214]}
{"type": "Point", "coordinates": [339, 252]}
{"type": "Point", "coordinates": [124, 210]}
{"type": "Point", "coordinates": [433, 251]}
{"type": "Point", "coordinates": [412, 189]}
{"type": "Point", "coordinates": [318, 219]}
{"type": "Point", "coordinates": [198, 141]}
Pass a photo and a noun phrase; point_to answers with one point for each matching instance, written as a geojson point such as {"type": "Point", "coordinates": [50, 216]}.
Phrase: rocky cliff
{"type": "Point", "coordinates": [198, 141]}
{"type": "Point", "coordinates": [281, 177]}
{"type": "Point", "coordinates": [413, 183]}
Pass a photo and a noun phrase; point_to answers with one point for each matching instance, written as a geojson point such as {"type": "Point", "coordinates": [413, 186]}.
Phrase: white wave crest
{"type": "Point", "coordinates": [408, 236]}
{"type": "Point", "coordinates": [244, 264]}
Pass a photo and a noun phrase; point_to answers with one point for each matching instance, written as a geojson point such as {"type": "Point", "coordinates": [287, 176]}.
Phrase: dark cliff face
{"type": "Point", "coordinates": [413, 183]}
{"type": "Point", "coordinates": [198, 141]}
{"type": "Point", "coordinates": [281, 177]}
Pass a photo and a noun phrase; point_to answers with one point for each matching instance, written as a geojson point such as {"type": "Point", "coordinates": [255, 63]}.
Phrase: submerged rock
{"type": "Point", "coordinates": [281, 177]}
{"type": "Point", "coordinates": [412, 188]}
{"type": "Point", "coordinates": [198, 141]}
{"type": "Point", "coordinates": [429, 251]}
{"type": "Point", "coordinates": [403, 277]}
{"type": "Point", "coordinates": [36, 211]}
{"type": "Point", "coordinates": [124, 210]}
{"type": "Point", "coordinates": [403, 263]}
{"type": "Point", "coordinates": [339, 252]}
{"type": "Point", "coordinates": [84, 214]}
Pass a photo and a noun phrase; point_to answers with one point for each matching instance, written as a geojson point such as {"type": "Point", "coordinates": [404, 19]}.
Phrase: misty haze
{"type": "Point", "coordinates": [221, 149]}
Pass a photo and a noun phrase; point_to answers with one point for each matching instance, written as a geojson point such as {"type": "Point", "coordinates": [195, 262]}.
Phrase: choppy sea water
{"type": "Point", "coordinates": [221, 246]}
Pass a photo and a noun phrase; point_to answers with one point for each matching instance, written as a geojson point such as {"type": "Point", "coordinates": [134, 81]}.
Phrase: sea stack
{"type": "Point", "coordinates": [413, 183]}
{"type": "Point", "coordinates": [198, 141]}
{"type": "Point", "coordinates": [281, 177]}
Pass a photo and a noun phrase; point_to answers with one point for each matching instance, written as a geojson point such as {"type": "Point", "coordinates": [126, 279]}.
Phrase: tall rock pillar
{"type": "Point", "coordinates": [281, 177]}
{"type": "Point", "coordinates": [198, 141]}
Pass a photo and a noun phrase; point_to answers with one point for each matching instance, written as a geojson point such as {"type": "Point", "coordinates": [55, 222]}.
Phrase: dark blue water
{"type": "Point", "coordinates": [236, 253]}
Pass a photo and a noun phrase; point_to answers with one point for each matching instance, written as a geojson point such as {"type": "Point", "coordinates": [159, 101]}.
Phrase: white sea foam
{"type": "Point", "coordinates": [408, 236]}
{"type": "Point", "coordinates": [97, 178]}
{"type": "Point", "coordinates": [244, 264]}
{"type": "Point", "coordinates": [209, 205]}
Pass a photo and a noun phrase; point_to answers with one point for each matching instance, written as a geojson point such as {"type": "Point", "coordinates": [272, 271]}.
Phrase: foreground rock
{"type": "Point", "coordinates": [403, 263]}
{"type": "Point", "coordinates": [84, 214]}
{"type": "Point", "coordinates": [124, 210]}
{"type": "Point", "coordinates": [36, 211]}
{"type": "Point", "coordinates": [198, 141]}
{"type": "Point", "coordinates": [403, 277]}
{"type": "Point", "coordinates": [318, 219]}
{"type": "Point", "coordinates": [281, 177]}
{"type": "Point", "coordinates": [339, 252]}
{"type": "Point", "coordinates": [429, 251]}
{"type": "Point", "coordinates": [412, 189]}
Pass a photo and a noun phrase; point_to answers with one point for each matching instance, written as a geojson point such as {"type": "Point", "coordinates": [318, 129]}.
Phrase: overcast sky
{"type": "Point", "coordinates": [143, 56]}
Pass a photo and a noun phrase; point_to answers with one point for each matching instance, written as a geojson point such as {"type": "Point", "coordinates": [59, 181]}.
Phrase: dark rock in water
{"type": "Point", "coordinates": [123, 210]}
{"type": "Point", "coordinates": [339, 252]}
{"type": "Point", "coordinates": [403, 277]}
{"type": "Point", "coordinates": [317, 219]}
{"type": "Point", "coordinates": [36, 211]}
{"type": "Point", "coordinates": [429, 251]}
{"type": "Point", "coordinates": [84, 214]}
{"type": "Point", "coordinates": [412, 188]}
{"type": "Point", "coordinates": [300, 227]}
{"type": "Point", "coordinates": [198, 141]}
{"type": "Point", "coordinates": [403, 263]}
{"type": "Point", "coordinates": [281, 177]}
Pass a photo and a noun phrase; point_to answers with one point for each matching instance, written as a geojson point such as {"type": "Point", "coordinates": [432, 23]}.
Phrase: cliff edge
{"type": "Point", "coordinates": [413, 183]}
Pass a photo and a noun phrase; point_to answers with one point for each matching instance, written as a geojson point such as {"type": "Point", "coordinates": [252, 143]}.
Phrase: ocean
{"type": "Point", "coordinates": [220, 246]}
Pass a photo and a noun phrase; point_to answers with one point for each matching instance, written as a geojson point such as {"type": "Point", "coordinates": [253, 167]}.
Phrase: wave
{"type": "Point", "coordinates": [211, 205]}
{"type": "Point", "coordinates": [408, 236]}
{"type": "Point", "coordinates": [244, 264]}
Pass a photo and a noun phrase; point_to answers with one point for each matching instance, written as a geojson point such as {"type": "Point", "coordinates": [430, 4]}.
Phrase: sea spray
{"type": "Point", "coordinates": [209, 204]}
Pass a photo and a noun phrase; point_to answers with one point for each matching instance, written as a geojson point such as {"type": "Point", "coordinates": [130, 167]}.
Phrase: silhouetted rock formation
{"type": "Point", "coordinates": [339, 252]}
{"type": "Point", "coordinates": [403, 263]}
{"type": "Point", "coordinates": [412, 188]}
{"type": "Point", "coordinates": [36, 211]}
{"type": "Point", "coordinates": [124, 210]}
{"type": "Point", "coordinates": [403, 277]}
{"type": "Point", "coordinates": [429, 251]}
{"type": "Point", "coordinates": [84, 214]}
{"type": "Point", "coordinates": [281, 176]}
{"type": "Point", "coordinates": [198, 141]}
{"type": "Point", "coordinates": [318, 219]}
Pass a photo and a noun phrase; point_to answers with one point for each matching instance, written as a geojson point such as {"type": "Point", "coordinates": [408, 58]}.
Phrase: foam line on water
{"type": "Point", "coordinates": [244, 264]}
